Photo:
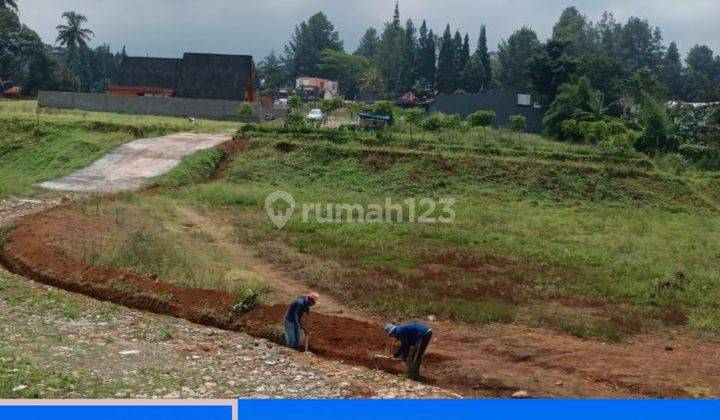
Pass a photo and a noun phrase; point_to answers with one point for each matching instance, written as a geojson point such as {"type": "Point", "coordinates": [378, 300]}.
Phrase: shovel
{"type": "Point", "coordinates": [307, 341]}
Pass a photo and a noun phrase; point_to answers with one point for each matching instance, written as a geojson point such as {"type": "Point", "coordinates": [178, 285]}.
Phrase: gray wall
{"type": "Point", "coordinates": [502, 102]}
{"type": "Point", "coordinates": [171, 107]}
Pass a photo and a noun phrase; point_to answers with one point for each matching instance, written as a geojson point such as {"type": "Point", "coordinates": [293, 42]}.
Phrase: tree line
{"type": "Point", "coordinates": [71, 65]}
{"type": "Point", "coordinates": [403, 58]}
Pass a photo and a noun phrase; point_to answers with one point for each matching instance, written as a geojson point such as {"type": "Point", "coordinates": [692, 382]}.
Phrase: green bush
{"type": "Point", "coordinates": [518, 123]}
{"type": "Point", "coordinates": [437, 122]}
{"type": "Point", "coordinates": [481, 118]}
{"type": "Point", "coordinates": [245, 110]}
{"type": "Point", "coordinates": [385, 108]}
{"type": "Point", "coordinates": [414, 115]}
{"type": "Point", "coordinates": [612, 136]}
{"type": "Point", "coordinates": [247, 301]}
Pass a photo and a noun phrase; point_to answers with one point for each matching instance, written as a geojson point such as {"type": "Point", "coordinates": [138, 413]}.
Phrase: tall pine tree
{"type": "Point", "coordinates": [368, 43]}
{"type": "Point", "coordinates": [409, 73]}
{"type": "Point", "coordinates": [446, 71]}
{"type": "Point", "coordinates": [427, 57]}
{"type": "Point", "coordinates": [484, 56]}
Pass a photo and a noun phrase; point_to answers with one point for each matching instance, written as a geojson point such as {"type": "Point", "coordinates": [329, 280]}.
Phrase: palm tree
{"type": "Point", "coordinates": [9, 4]}
{"type": "Point", "coordinates": [373, 82]}
{"type": "Point", "coordinates": [73, 35]}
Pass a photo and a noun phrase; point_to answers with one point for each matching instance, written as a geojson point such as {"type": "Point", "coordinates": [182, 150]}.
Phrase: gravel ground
{"type": "Point", "coordinates": [61, 345]}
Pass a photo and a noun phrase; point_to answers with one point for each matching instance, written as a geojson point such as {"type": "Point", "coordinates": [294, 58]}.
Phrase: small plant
{"type": "Point", "coordinates": [245, 110]}
{"type": "Point", "coordinates": [481, 118]}
{"type": "Point", "coordinates": [518, 123]}
{"type": "Point", "coordinates": [247, 301]}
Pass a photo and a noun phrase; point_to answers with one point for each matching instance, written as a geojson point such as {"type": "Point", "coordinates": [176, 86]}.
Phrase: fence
{"type": "Point", "coordinates": [171, 107]}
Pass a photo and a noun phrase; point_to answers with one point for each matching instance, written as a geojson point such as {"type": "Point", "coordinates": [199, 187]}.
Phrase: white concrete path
{"type": "Point", "coordinates": [130, 165]}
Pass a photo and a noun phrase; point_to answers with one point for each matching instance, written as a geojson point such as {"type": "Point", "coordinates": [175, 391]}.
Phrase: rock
{"type": "Point", "coordinates": [129, 352]}
{"type": "Point", "coordinates": [19, 388]}
{"type": "Point", "coordinates": [559, 383]}
{"type": "Point", "coordinates": [669, 348]}
{"type": "Point", "coordinates": [521, 395]}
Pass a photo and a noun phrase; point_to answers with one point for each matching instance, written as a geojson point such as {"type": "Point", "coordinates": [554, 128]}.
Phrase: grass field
{"type": "Point", "coordinates": [595, 243]}
{"type": "Point", "coordinates": [65, 141]}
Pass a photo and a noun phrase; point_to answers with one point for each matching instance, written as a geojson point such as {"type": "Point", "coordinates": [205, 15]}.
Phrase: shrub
{"type": "Point", "coordinates": [518, 123]}
{"type": "Point", "coordinates": [247, 301]}
{"type": "Point", "coordinates": [673, 163]}
{"type": "Point", "coordinates": [481, 118]}
{"type": "Point", "coordinates": [414, 115]}
{"type": "Point", "coordinates": [437, 122]}
{"type": "Point", "coordinates": [385, 108]}
{"type": "Point", "coordinates": [245, 110]}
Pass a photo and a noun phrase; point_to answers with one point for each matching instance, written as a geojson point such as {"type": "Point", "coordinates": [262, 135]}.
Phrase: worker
{"type": "Point", "coordinates": [413, 335]}
{"type": "Point", "coordinates": [293, 318]}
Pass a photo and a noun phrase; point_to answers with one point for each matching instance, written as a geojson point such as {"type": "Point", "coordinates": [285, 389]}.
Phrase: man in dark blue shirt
{"type": "Point", "coordinates": [411, 336]}
{"type": "Point", "coordinates": [293, 318]}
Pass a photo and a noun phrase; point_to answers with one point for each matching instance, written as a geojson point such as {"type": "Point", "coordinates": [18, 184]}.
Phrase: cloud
{"type": "Point", "coordinates": [171, 27]}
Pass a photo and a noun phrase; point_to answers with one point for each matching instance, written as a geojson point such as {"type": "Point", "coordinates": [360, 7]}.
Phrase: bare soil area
{"type": "Point", "coordinates": [495, 360]}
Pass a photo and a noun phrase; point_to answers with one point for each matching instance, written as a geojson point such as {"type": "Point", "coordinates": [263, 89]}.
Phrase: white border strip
{"type": "Point", "coordinates": [135, 403]}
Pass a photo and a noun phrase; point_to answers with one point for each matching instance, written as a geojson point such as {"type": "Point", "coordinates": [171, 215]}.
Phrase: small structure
{"type": "Point", "coordinates": [369, 121]}
{"type": "Point", "coordinates": [504, 103]}
{"type": "Point", "coordinates": [195, 76]}
{"type": "Point", "coordinates": [315, 86]}
{"type": "Point", "coordinates": [8, 89]}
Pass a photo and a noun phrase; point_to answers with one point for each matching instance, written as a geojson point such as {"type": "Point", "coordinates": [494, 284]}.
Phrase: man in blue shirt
{"type": "Point", "coordinates": [293, 318]}
{"type": "Point", "coordinates": [411, 336]}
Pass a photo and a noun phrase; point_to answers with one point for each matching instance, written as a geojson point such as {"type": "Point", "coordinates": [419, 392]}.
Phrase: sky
{"type": "Point", "coordinates": [167, 28]}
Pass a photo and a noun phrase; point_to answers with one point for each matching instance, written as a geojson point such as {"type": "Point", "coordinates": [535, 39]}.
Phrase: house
{"type": "Point", "coordinates": [195, 76]}
{"type": "Point", "coordinates": [315, 86]}
{"type": "Point", "coordinates": [504, 103]}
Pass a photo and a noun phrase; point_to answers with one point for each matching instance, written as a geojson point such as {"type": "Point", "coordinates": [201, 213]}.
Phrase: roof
{"type": "Point", "coordinates": [200, 76]}
{"type": "Point", "coordinates": [149, 72]}
{"type": "Point", "coordinates": [214, 76]}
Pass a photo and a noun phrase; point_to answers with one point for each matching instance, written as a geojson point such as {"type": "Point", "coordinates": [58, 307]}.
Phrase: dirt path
{"type": "Point", "coordinates": [285, 288]}
{"type": "Point", "coordinates": [495, 360]}
{"type": "Point", "coordinates": [130, 165]}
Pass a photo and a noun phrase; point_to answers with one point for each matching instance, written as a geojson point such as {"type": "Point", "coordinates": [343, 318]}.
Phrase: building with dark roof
{"type": "Point", "coordinates": [196, 76]}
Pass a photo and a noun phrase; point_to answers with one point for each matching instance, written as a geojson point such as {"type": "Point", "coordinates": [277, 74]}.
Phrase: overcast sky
{"type": "Point", "coordinates": [167, 28]}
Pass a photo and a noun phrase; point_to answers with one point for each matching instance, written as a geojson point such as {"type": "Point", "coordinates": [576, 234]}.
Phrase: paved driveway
{"type": "Point", "coordinates": [130, 165]}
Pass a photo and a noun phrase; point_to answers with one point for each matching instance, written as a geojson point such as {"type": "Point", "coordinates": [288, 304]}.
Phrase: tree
{"type": "Point", "coordinates": [368, 43]}
{"type": "Point", "coordinates": [703, 75]}
{"type": "Point", "coordinates": [671, 72]}
{"type": "Point", "coordinates": [73, 36]}
{"type": "Point", "coordinates": [514, 54]}
{"type": "Point", "coordinates": [409, 66]}
{"type": "Point", "coordinates": [18, 45]}
{"type": "Point", "coordinates": [656, 128]}
{"type": "Point", "coordinates": [484, 56]}
{"type": "Point", "coordinates": [550, 67]}
{"type": "Point", "coordinates": [575, 31]}
{"type": "Point", "coordinates": [446, 71]}
{"type": "Point", "coordinates": [9, 4]}
{"type": "Point", "coordinates": [347, 69]}
{"type": "Point", "coordinates": [473, 75]}
{"type": "Point", "coordinates": [607, 75]}
{"type": "Point", "coordinates": [609, 32]}
{"type": "Point", "coordinates": [309, 40]}
{"type": "Point", "coordinates": [639, 46]}
{"type": "Point", "coordinates": [388, 57]}
{"type": "Point", "coordinates": [427, 56]}
{"type": "Point", "coordinates": [373, 82]}
{"type": "Point", "coordinates": [574, 101]}
{"type": "Point", "coordinates": [272, 72]}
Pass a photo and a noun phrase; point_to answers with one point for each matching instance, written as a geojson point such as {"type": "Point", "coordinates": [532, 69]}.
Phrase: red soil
{"type": "Point", "coordinates": [495, 360]}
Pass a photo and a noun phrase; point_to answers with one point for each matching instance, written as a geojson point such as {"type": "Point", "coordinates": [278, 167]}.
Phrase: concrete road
{"type": "Point", "coordinates": [130, 165]}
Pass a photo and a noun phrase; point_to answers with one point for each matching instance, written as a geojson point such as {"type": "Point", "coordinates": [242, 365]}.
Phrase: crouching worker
{"type": "Point", "coordinates": [293, 318]}
{"type": "Point", "coordinates": [415, 337]}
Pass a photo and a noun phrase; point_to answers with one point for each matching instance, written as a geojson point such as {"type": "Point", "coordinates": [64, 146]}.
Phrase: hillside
{"type": "Point", "coordinates": [555, 249]}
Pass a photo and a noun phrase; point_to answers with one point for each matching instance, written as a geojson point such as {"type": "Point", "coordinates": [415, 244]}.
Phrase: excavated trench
{"type": "Point", "coordinates": [29, 251]}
